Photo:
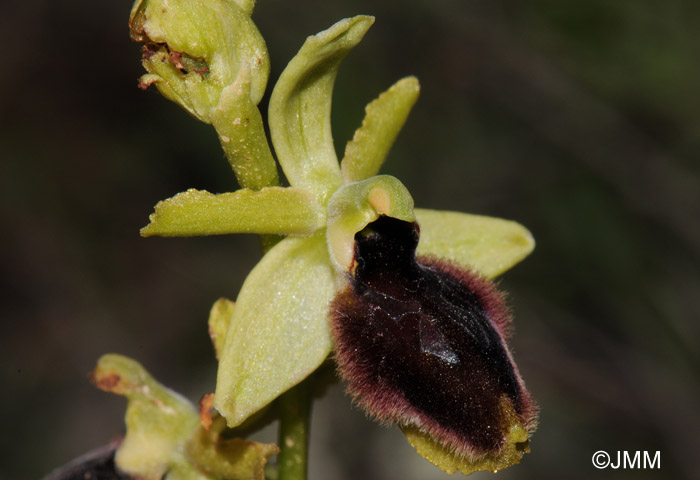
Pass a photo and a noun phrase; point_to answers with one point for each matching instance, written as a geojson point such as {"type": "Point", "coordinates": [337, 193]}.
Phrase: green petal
{"type": "Point", "coordinates": [300, 108]}
{"type": "Point", "coordinates": [270, 210]}
{"type": "Point", "coordinates": [384, 117]}
{"type": "Point", "coordinates": [279, 331]}
{"type": "Point", "coordinates": [486, 244]}
{"type": "Point", "coordinates": [352, 207]}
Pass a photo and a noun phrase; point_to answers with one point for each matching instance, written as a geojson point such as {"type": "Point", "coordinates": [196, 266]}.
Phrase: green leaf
{"type": "Point", "coordinates": [279, 331]}
{"type": "Point", "coordinates": [270, 210]}
{"type": "Point", "coordinates": [384, 118]}
{"type": "Point", "coordinates": [242, 135]}
{"type": "Point", "coordinates": [300, 108]}
{"type": "Point", "coordinates": [486, 244]}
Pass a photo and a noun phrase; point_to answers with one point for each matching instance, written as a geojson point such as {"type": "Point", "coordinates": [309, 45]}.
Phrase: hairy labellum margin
{"type": "Point", "coordinates": [421, 342]}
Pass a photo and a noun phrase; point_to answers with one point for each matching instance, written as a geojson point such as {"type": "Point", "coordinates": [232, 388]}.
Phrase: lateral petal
{"type": "Point", "coordinates": [384, 118]}
{"type": "Point", "coordinates": [275, 210]}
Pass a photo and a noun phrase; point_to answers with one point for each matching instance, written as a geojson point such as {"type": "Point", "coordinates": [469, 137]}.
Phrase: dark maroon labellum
{"type": "Point", "coordinates": [422, 342]}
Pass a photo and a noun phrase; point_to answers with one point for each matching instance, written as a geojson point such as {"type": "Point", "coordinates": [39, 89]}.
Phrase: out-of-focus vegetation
{"type": "Point", "coordinates": [581, 120]}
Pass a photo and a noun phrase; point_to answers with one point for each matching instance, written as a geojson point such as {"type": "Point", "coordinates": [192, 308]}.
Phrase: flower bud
{"type": "Point", "coordinates": [194, 49]}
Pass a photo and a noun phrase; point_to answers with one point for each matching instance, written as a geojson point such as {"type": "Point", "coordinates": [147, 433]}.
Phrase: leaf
{"type": "Point", "coordinates": [279, 331]}
{"type": "Point", "coordinates": [270, 210]}
{"type": "Point", "coordinates": [384, 118]}
{"type": "Point", "coordinates": [300, 108]}
{"type": "Point", "coordinates": [486, 244]}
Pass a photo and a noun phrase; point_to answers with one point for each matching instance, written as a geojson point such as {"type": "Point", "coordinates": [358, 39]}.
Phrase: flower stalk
{"type": "Point", "coordinates": [295, 407]}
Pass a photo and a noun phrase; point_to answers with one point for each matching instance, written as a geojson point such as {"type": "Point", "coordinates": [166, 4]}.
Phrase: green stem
{"type": "Point", "coordinates": [295, 415]}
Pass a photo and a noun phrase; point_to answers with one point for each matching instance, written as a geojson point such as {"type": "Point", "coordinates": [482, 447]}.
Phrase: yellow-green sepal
{"type": "Point", "coordinates": [300, 108]}
{"type": "Point", "coordinates": [272, 210]}
{"type": "Point", "coordinates": [487, 245]}
{"type": "Point", "coordinates": [384, 118]}
{"type": "Point", "coordinates": [352, 207]}
{"type": "Point", "coordinates": [279, 330]}
{"type": "Point", "coordinates": [158, 420]}
{"type": "Point", "coordinates": [164, 437]}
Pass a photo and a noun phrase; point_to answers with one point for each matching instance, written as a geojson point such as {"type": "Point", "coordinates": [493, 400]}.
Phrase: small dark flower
{"type": "Point", "coordinates": [422, 343]}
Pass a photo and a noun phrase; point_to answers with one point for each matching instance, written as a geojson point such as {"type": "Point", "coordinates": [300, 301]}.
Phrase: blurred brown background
{"type": "Point", "coordinates": [579, 119]}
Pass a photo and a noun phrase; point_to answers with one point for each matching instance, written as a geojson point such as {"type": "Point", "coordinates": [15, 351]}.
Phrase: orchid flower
{"type": "Point", "coordinates": [400, 297]}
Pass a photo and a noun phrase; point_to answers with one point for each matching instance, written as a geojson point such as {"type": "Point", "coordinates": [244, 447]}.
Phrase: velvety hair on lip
{"type": "Point", "coordinates": [422, 342]}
